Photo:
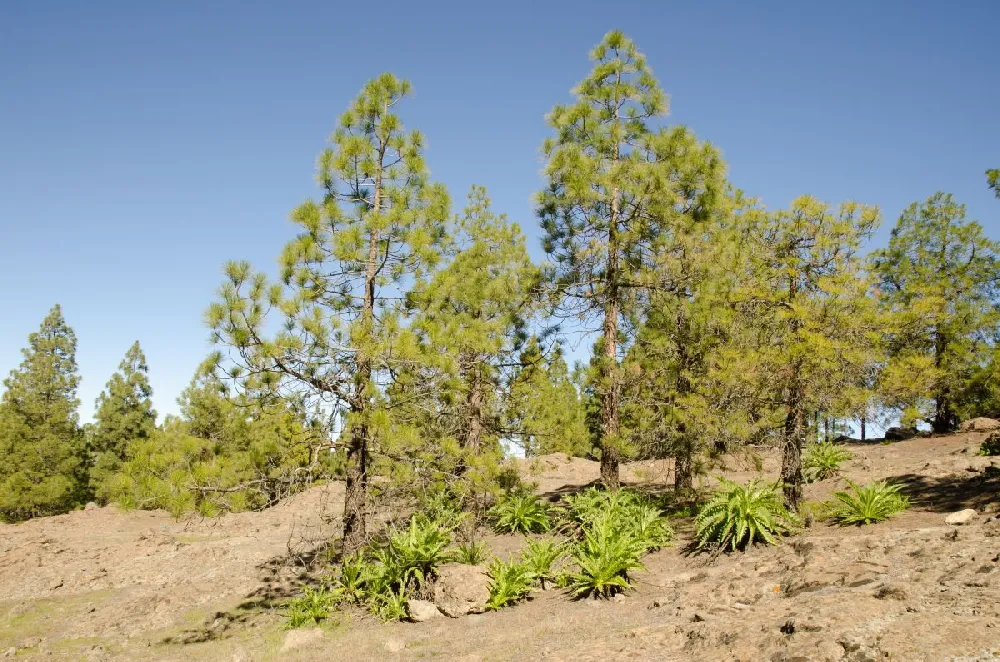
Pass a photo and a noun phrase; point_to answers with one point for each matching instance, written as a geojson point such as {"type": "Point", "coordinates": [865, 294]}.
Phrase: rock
{"type": "Point", "coordinates": [461, 589]}
{"type": "Point", "coordinates": [91, 506]}
{"type": "Point", "coordinates": [395, 645]}
{"type": "Point", "coordinates": [900, 434]}
{"type": "Point", "coordinates": [56, 583]}
{"type": "Point", "coordinates": [421, 610]}
{"type": "Point", "coordinates": [961, 517]}
{"type": "Point", "coordinates": [10, 652]}
{"type": "Point", "coordinates": [980, 424]}
{"type": "Point", "coordinates": [296, 639]}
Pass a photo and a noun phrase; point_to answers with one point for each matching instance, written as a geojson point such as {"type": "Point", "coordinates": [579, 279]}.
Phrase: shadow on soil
{"type": "Point", "coordinates": [282, 578]}
{"type": "Point", "coordinates": [950, 493]}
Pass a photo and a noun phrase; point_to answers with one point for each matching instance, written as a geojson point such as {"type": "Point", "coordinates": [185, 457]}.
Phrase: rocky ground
{"type": "Point", "coordinates": [102, 584]}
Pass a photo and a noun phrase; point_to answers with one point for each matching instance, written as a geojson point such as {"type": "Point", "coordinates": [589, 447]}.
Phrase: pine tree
{"type": "Point", "coordinates": [993, 179]}
{"type": "Point", "coordinates": [42, 471]}
{"type": "Point", "coordinates": [602, 228]}
{"type": "Point", "coordinates": [546, 412]}
{"type": "Point", "coordinates": [376, 231]}
{"type": "Point", "coordinates": [124, 413]}
{"type": "Point", "coordinates": [939, 280]}
{"type": "Point", "coordinates": [815, 327]}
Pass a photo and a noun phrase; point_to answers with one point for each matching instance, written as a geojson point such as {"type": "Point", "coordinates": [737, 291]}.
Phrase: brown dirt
{"type": "Point", "coordinates": [103, 584]}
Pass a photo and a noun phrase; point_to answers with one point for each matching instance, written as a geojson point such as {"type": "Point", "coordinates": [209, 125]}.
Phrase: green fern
{"type": "Point", "coordinates": [510, 583]}
{"type": "Point", "coordinates": [604, 557]}
{"type": "Point", "coordinates": [520, 513]}
{"type": "Point", "coordinates": [313, 607]}
{"type": "Point", "coordinates": [865, 504]}
{"type": "Point", "coordinates": [472, 553]}
{"type": "Point", "coordinates": [737, 516]}
{"type": "Point", "coordinates": [540, 558]}
{"type": "Point", "coordinates": [822, 460]}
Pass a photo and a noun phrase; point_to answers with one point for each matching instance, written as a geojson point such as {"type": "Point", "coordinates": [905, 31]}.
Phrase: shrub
{"type": "Point", "coordinates": [540, 557]}
{"type": "Point", "coordinates": [520, 513]}
{"type": "Point", "coordinates": [414, 554]}
{"type": "Point", "coordinates": [631, 510]}
{"type": "Point", "coordinates": [990, 446]}
{"type": "Point", "coordinates": [472, 553]}
{"type": "Point", "coordinates": [604, 557]}
{"type": "Point", "coordinates": [353, 577]}
{"type": "Point", "coordinates": [510, 583]}
{"type": "Point", "coordinates": [865, 504]}
{"type": "Point", "coordinates": [739, 515]}
{"type": "Point", "coordinates": [822, 460]}
{"type": "Point", "coordinates": [313, 607]}
{"type": "Point", "coordinates": [391, 605]}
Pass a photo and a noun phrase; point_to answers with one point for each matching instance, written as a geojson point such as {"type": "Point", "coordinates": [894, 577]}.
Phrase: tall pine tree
{"type": "Point", "coordinates": [599, 213]}
{"type": "Point", "coordinates": [939, 280]}
{"type": "Point", "coordinates": [124, 413]}
{"type": "Point", "coordinates": [376, 231]}
{"type": "Point", "coordinates": [42, 468]}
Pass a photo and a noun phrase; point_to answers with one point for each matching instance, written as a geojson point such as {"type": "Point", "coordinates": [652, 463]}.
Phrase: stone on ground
{"type": "Point", "coordinates": [297, 639]}
{"type": "Point", "coordinates": [960, 517]}
{"type": "Point", "coordinates": [422, 610]}
{"type": "Point", "coordinates": [461, 589]}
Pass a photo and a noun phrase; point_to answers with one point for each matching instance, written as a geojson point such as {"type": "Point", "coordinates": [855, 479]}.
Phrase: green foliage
{"type": "Point", "coordinates": [413, 555]}
{"type": "Point", "coordinates": [605, 556]}
{"type": "Point", "coordinates": [939, 279]}
{"type": "Point", "coordinates": [226, 454]}
{"type": "Point", "coordinates": [822, 460]}
{"type": "Point", "coordinates": [42, 461]}
{"type": "Point", "coordinates": [472, 553]}
{"type": "Point", "coordinates": [546, 409]}
{"type": "Point", "coordinates": [314, 607]}
{"type": "Point", "coordinates": [865, 504]}
{"type": "Point", "coordinates": [124, 416]}
{"type": "Point", "coordinates": [391, 605]}
{"type": "Point", "coordinates": [737, 516]}
{"type": "Point", "coordinates": [636, 515]}
{"type": "Point", "coordinates": [993, 179]}
{"type": "Point", "coordinates": [510, 582]}
{"type": "Point", "coordinates": [540, 557]}
{"type": "Point", "coordinates": [990, 446]}
{"type": "Point", "coordinates": [520, 512]}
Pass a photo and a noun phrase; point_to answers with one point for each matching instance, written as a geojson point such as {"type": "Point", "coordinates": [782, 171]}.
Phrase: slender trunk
{"type": "Point", "coordinates": [863, 421]}
{"type": "Point", "coordinates": [356, 496]}
{"type": "Point", "coordinates": [791, 456]}
{"type": "Point", "coordinates": [683, 464]}
{"type": "Point", "coordinates": [474, 421]}
{"type": "Point", "coordinates": [944, 417]}
{"type": "Point", "coordinates": [826, 429]}
{"type": "Point", "coordinates": [683, 471]}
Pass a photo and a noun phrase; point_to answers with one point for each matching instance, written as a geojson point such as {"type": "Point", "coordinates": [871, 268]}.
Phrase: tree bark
{"type": "Point", "coordinates": [356, 493]}
{"type": "Point", "coordinates": [683, 471]}
{"type": "Point", "coordinates": [474, 421]}
{"type": "Point", "coordinates": [863, 421]}
{"type": "Point", "coordinates": [791, 455]}
{"type": "Point", "coordinates": [945, 419]}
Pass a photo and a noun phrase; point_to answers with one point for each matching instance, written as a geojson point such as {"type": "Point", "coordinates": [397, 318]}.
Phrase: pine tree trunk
{"type": "Point", "coordinates": [611, 387]}
{"type": "Point", "coordinates": [944, 417]}
{"type": "Point", "coordinates": [356, 496]}
{"type": "Point", "coordinates": [683, 471]}
{"type": "Point", "coordinates": [826, 429]}
{"type": "Point", "coordinates": [863, 421]}
{"type": "Point", "coordinates": [474, 422]}
{"type": "Point", "coordinates": [791, 456]}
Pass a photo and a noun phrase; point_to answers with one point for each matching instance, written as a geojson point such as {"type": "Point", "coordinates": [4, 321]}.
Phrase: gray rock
{"type": "Point", "coordinates": [296, 639]}
{"type": "Point", "coordinates": [421, 610]}
{"type": "Point", "coordinates": [461, 589]}
{"type": "Point", "coordinates": [961, 517]}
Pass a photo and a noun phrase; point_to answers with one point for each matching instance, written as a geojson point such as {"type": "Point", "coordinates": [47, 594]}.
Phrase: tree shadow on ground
{"type": "Point", "coordinates": [945, 494]}
{"type": "Point", "coordinates": [281, 579]}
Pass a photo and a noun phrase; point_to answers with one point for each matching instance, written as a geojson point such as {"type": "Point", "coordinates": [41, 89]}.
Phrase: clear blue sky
{"type": "Point", "coordinates": [143, 144]}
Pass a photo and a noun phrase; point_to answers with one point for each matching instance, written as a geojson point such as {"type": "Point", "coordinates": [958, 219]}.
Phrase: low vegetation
{"type": "Point", "coordinates": [822, 460]}
{"type": "Point", "coordinates": [867, 504]}
{"type": "Point", "coordinates": [520, 512]}
{"type": "Point", "coordinates": [737, 516]}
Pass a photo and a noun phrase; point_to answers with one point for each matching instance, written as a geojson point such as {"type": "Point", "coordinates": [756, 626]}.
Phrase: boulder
{"type": "Point", "coordinates": [296, 639]}
{"type": "Point", "coordinates": [421, 610]}
{"type": "Point", "coordinates": [461, 589]}
{"type": "Point", "coordinates": [900, 433]}
{"type": "Point", "coordinates": [91, 505]}
{"type": "Point", "coordinates": [961, 517]}
{"type": "Point", "coordinates": [980, 424]}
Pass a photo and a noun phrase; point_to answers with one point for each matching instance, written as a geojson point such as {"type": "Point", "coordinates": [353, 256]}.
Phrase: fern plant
{"type": "Point", "coordinates": [390, 605]}
{"type": "Point", "coordinates": [510, 583]}
{"type": "Point", "coordinates": [737, 516]}
{"type": "Point", "coordinates": [472, 553]}
{"type": "Point", "coordinates": [415, 553]}
{"type": "Point", "coordinates": [631, 509]}
{"type": "Point", "coordinates": [990, 446]}
{"type": "Point", "coordinates": [865, 504]}
{"type": "Point", "coordinates": [520, 513]}
{"type": "Point", "coordinates": [822, 460]}
{"type": "Point", "coordinates": [313, 607]}
{"type": "Point", "coordinates": [604, 557]}
{"type": "Point", "coordinates": [540, 558]}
